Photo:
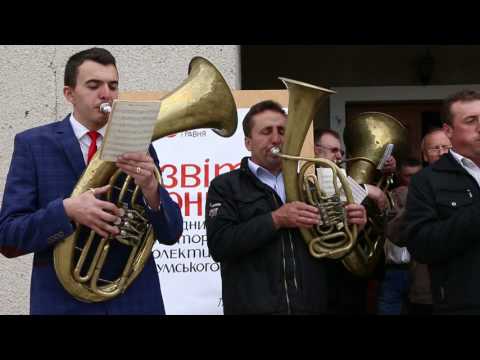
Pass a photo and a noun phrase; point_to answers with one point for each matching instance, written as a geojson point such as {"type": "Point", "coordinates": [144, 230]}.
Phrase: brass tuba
{"type": "Point", "coordinates": [366, 138]}
{"type": "Point", "coordinates": [334, 237]}
{"type": "Point", "coordinates": [203, 100]}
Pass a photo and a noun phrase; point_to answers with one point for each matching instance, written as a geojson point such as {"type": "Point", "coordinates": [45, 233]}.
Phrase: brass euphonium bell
{"type": "Point", "coordinates": [203, 100]}
{"type": "Point", "coordinates": [366, 138]}
{"type": "Point", "coordinates": [334, 238]}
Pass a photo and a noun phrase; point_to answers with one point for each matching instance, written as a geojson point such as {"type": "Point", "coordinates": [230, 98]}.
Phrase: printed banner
{"type": "Point", "coordinates": [189, 278]}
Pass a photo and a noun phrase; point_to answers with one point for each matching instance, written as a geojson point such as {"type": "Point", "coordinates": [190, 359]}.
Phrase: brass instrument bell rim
{"type": "Point", "coordinates": [286, 81]}
{"type": "Point", "coordinates": [379, 113]}
{"type": "Point", "coordinates": [225, 133]}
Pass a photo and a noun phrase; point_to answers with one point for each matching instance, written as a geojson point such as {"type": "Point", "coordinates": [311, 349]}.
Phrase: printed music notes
{"type": "Point", "coordinates": [325, 177]}
{"type": "Point", "coordinates": [130, 128]}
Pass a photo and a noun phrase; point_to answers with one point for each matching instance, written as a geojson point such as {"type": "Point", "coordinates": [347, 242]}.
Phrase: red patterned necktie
{"type": "Point", "coordinates": [93, 145]}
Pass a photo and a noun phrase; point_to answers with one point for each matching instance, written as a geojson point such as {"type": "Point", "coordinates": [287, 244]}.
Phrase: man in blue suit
{"type": "Point", "coordinates": [38, 212]}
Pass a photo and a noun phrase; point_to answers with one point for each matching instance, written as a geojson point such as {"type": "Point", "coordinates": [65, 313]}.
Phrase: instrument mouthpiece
{"type": "Point", "coordinates": [106, 108]}
{"type": "Point", "coordinates": [275, 150]}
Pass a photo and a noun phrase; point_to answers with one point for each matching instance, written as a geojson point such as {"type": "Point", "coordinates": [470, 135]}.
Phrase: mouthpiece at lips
{"type": "Point", "coordinates": [275, 150]}
{"type": "Point", "coordinates": [105, 108]}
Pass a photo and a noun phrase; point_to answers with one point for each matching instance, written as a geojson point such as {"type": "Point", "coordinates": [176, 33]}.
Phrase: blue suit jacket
{"type": "Point", "coordinates": [46, 165]}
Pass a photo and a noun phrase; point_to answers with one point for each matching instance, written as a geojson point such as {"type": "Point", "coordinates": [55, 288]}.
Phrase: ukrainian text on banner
{"type": "Point", "coordinates": [189, 278]}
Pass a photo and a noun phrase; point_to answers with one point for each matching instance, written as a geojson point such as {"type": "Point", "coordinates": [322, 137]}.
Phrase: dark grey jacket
{"type": "Point", "coordinates": [443, 217]}
{"type": "Point", "coordinates": [264, 270]}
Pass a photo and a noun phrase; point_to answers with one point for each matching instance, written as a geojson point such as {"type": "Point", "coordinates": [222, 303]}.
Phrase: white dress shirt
{"type": "Point", "coordinates": [266, 177]}
{"type": "Point", "coordinates": [83, 138]}
{"type": "Point", "coordinates": [468, 165]}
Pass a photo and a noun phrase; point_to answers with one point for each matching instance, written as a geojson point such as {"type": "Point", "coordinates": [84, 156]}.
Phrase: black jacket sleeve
{"type": "Point", "coordinates": [431, 236]}
{"type": "Point", "coordinates": [227, 236]}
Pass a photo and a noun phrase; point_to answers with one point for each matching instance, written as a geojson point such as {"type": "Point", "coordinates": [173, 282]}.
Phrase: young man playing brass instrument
{"type": "Point", "coordinates": [38, 211]}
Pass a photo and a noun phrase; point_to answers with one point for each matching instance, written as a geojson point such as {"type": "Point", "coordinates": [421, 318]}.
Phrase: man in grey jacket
{"type": "Point", "coordinates": [443, 210]}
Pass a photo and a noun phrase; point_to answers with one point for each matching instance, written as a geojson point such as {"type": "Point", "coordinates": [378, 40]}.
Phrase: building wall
{"type": "Point", "coordinates": [359, 66]}
{"type": "Point", "coordinates": [31, 94]}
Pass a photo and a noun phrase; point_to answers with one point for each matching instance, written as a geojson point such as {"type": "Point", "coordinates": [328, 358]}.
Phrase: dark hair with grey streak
{"type": "Point", "coordinates": [257, 109]}
{"type": "Point", "coordinates": [321, 132]}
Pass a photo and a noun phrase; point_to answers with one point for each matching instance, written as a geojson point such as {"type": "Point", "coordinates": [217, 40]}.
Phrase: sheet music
{"type": "Point", "coordinates": [386, 155]}
{"type": "Point", "coordinates": [325, 178]}
{"type": "Point", "coordinates": [358, 192]}
{"type": "Point", "coordinates": [130, 128]}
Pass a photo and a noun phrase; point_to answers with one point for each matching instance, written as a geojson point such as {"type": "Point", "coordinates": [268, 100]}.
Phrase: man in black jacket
{"type": "Point", "coordinates": [443, 210]}
{"type": "Point", "coordinates": [265, 264]}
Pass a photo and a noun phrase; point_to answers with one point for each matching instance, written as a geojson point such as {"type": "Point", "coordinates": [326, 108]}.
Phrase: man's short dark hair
{"type": "Point", "coordinates": [461, 96]}
{"type": "Point", "coordinates": [319, 133]}
{"type": "Point", "coordinates": [257, 109]}
{"type": "Point", "coordinates": [98, 55]}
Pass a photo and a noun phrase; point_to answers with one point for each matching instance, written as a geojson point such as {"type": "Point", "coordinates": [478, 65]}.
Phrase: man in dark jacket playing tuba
{"type": "Point", "coordinates": [266, 267]}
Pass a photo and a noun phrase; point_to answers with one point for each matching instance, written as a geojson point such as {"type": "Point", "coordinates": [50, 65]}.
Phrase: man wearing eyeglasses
{"type": "Point", "coordinates": [328, 146]}
{"type": "Point", "coordinates": [443, 210]}
{"type": "Point", "coordinates": [435, 144]}
{"type": "Point", "coordinates": [347, 292]}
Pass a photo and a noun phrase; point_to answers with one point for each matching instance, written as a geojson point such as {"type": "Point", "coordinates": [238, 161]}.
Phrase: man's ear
{"type": "Point", "coordinates": [424, 156]}
{"type": "Point", "coordinates": [448, 130]}
{"type": "Point", "coordinates": [248, 143]}
{"type": "Point", "coordinates": [68, 93]}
